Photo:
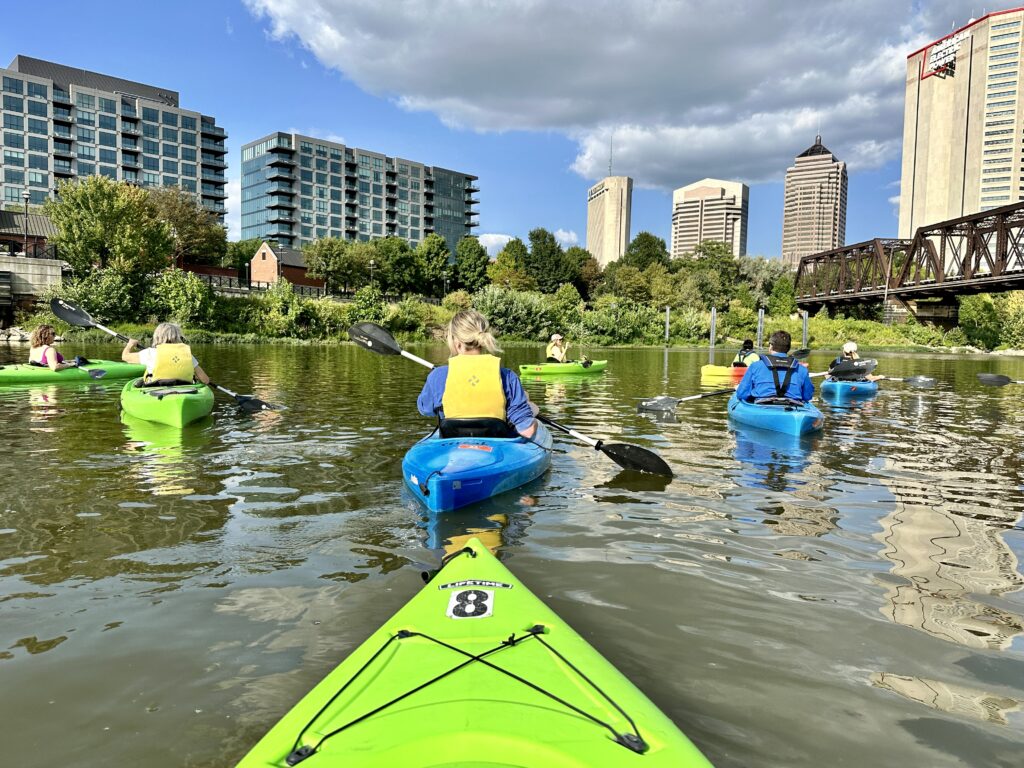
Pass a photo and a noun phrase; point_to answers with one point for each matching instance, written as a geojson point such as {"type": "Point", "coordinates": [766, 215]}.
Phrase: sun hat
{"type": "Point", "coordinates": [849, 347]}
{"type": "Point", "coordinates": [556, 336]}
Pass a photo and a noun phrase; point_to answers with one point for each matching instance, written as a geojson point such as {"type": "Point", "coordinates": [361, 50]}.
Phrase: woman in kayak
{"type": "Point", "coordinates": [557, 351]}
{"type": "Point", "coordinates": [850, 354]}
{"type": "Point", "coordinates": [776, 375]}
{"type": "Point", "coordinates": [474, 385]}
{"type": "Point", "coordinates": [746, 355]}
{"type": "Point", "coordinates": [44, 354]}
{"type": "Point", "coordinates": [168, 361]}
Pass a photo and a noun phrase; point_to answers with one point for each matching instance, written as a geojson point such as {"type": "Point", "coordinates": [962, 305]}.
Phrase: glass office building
{"type": "Point", "coordinates": [60, 122]}
{"type": "Point", "coordinates": [297, 189]}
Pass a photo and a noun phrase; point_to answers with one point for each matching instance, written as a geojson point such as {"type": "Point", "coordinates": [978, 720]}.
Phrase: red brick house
{"type": "Point", "coordinates": [274, 262]}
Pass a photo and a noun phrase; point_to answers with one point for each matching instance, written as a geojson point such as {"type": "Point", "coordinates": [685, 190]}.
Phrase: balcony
{"type": "Point", "coordinates": [472, 223]}
{"type": "Point", "coordinates": [471, 187]}
{"type": "Point", "coordinates": [62, 115]}
{"type": "Point", "coordinates": [281, 189]}
{"type": "Point", "coordinates": [129, 161]}
{"type": "Point", "coordinates": [131, 130]}
{"type": "Point", "coordinates": [280, 173]}
{"type": "Point", "coordinates": [213, 162]}
{"type": "Point", "coordinates": [281, 216]}
{"type": "Point", "coordinates": [62, 132]}
{"type": "Point", "coordinates": [280, 202]}
{"type": "Point", "coordinates": [214, 146]}
{"type": "Point", "coordinates": [209, 129]}
{"type": "Point", "coordinates": [60, 97]}
{"type": "Point", "coordinates": [472, 201]}
{"type": "Point", "coordinates": [128, 112]}
{"type": "Point", "coordinates": [280, 159]}
{"type": "Point", "coordinates": [219, 194]}
{"type": "Point", "coordinates": [62, 168]}
{"type": "Point", "coordinates": [66, 151]}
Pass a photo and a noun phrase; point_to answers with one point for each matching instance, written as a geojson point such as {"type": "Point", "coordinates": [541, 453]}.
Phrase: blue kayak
{"type": "Point", "coordinates": [840, 388]}
{"type": "Point", "coordinates": [791, 418]}
{"type": "Point", "coordinates": [448, 473]}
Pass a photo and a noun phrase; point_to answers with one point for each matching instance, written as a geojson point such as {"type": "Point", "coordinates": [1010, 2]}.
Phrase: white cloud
{"type": "Point", "coordinates": [233, 219]}
{"type": "Point", "coordinates": [230, 30]}
{"type": "Point", "coordinates": [566, 238]}
{"type": "Point", "coordinates": [493, 243]}
{"type": "Point", "coordinates": [691, 87]}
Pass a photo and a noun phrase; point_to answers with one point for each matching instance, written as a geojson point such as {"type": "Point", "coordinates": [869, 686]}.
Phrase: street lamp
{"type": "Point", "coordinates": [25, 196]}
{"type": "Point", "coordinates": [372, 262]}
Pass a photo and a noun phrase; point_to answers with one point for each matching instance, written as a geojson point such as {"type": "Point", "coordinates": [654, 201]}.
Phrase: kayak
{"type": "Point", "coordinates": [175, 406]}
{"type": "Point", "coordinates": [722, 373]}
{"type": "Point", "coordinates": [842, 388]}
{"type": "Point", "coordinates": [792, 418]}
{"type": "Point", "coordinates": [21, 373]}
{"type": "Point", "coordinates": [448, 473]}
{"type": "Point", "coordinates": [544, 369]}
{"type": "Point", "coordinates": [475, 671]}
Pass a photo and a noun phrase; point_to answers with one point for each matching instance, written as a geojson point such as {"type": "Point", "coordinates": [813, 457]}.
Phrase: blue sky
{"type": "Point", "coordinates": [523, 93]}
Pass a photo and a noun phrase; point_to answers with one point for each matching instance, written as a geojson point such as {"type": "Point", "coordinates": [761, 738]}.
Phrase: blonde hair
{"type": "Point", "coordinates": [167, 333]}
{"type": "Point", "coordinates": [42, 334]}
{"type": "Point", "coordinates": [473, 331]}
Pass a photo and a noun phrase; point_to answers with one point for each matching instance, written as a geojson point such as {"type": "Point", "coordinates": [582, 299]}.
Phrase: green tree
{"type": "Point", "coordinates": [239, 254]}
{"type": "Point", "coordinates": [546, 263]}
{"type": "Point", "coordinates": [435, 259]}
{"type": "Point", "coordinates": [782, 302]}
{"type": "Point", "coordinates": [644, 250]}
{"type": "Point", "coordinates": [181, 297]}
{"type": "Point", "coordinates": [339, 263]}
{"type": "Point", "coordinates": [398, 269]}
{"type": "Point", "coordinates": [509, 268]}
{"type": "Point", "coordinates": [980, 320]}
{"type": "Point", "coordinates": [760, 275]}
{"type": "Point", "coordinates": [199, 238]}
{"type": "Point", "coordinates": [631, 284]}
{"type": "Point", "coordinates": [472, 263]}
{"type": "Point", "coordinates": [591, 278]}
{"type": "Point", "coordinates": [1012, 334]}
{"type": "Point", "coordinates": [107, 223]}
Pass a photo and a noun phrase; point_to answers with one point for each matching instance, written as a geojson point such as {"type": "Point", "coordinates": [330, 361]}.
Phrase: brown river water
{"type": "Point", "coordinates": [853, 599]}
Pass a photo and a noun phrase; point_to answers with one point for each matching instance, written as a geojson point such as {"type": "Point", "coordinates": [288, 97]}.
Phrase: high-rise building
{"type": "Point", "coordinates": [608, 208]}
{"type": "Point", "coordinates": [60, 122]}
{"type": "Point", "coordinates": [710, 209]}
{"type": "Point", "coordinates": [297, 189]}
{"type": "Point", "coordinates": [963, 127]}
{"type": "Point", "coordinates": [814, 213]}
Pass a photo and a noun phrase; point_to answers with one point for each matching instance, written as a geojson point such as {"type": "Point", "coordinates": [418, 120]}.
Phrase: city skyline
{"type": "Point", "coordinates": [258, 68]}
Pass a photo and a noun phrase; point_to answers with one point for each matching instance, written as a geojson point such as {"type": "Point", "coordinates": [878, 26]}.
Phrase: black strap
{"type": "Point", "coordinates": [774, 363]}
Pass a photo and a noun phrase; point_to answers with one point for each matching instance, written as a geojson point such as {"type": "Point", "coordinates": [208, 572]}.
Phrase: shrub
{"type": "Point", "coordinates": [180, 297]}
{"type": "Point", "coordinates": [456, 301]}
{"type": "Point", "coordinates": [368, 305]}
{"type": "Point", "coordinates": [108, 295]}
{"type": "Point", "coordinates": [516, 314]}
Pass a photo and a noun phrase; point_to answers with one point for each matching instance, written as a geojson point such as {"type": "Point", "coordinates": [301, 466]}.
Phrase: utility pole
{"type": "Point", "coordinates": [25, 196]}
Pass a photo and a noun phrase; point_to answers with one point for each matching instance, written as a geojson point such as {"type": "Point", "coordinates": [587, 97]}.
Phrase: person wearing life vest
{"type": "Point", "coordinates": [776, 375]}
{"type": "Point", "coordinates": [556, 351]}
{"type": "Point", "coordinates": [168, 361]}
{"type": "Point", "coordinates": [746, 355]}
{"type": "Point", "coordinates": [43, 354]}
{"type": "Point", "coordinates": [474, 385]}
{"type": "Point", "coordinates": [850, 354]}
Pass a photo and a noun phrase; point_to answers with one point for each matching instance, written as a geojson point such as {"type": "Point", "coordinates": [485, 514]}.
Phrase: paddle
{"type": "Point", "coordinates": [997, 379]}
{"type": "Point", "coordinates": [77, 316]}
{"type": "Point", "coordinates": [666, 403]}
{"type": "Point", "coordinates": [376, 339]}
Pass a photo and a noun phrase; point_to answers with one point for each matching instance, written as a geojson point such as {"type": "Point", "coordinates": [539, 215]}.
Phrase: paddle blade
{"type": "Point", "coordinates": [254, 404]}
{"type": "Point", "coordinates": [800, 354]}
{"type": "Point", "coordinates": [660, 403]}
{"type": "Point", "coordinates": [994, 379]}
{"type": "Point", "coordinates": [70, 314]}
{"type": "Point", "coordinates": [635, 458]}
{"type": "Point", "coordinates": [96, 373]}
{"type": "Point", "coordinates": [374, 338]}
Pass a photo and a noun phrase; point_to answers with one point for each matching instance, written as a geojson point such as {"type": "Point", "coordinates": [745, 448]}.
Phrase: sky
{"type": "Point", "coordinates": [525, 94]}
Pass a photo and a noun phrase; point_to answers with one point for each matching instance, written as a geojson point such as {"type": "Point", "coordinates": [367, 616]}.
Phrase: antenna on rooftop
{"type": "Point", "coordinates": [611, 137]}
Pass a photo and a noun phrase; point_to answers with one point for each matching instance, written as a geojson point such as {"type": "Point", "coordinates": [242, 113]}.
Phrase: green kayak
{"type": "Point", "coordinates": [475, 671]}
{"type": "Point", "coordinates": [543, 369]}
{"type": "Point", "coordinates": [21, 373]}
{"type": "Point", "coordinates": [175, 406]}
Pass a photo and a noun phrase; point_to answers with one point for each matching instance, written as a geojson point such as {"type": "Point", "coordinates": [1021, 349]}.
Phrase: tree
{"type": "Point", "coordinates": [782, 302]}
{"type": "Point", "coordinates": [760, 276]}
{"type": "Point", "coordinates": [509, 269]}
{"type": "Point", "coordinates": [590, 278]}
{"type": "Point", "coordinates": [631, 284]}
{"type": "Point", "coordinates": [547, 263]}
{"type": "Point", "coordinates": [107, 223]}
{"type": "Point", "coordinates": [644, 250]}
{"type": "Point", "coordinates": [198, 236]}
{"type": "Point", "coordinates": [435, 260]}
{"type": "Point", "coordinates": [472, 262]}
{"type": "Point", "coordinates": [398, 269]}
{"type": "Point", "coordinates": [239, 254]}
{"type": "Point", "coordinates": [337, 262]}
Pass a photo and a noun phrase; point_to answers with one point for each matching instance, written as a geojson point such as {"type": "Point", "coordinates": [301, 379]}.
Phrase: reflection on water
{"type": "Point", "coordinates": [165, 595]}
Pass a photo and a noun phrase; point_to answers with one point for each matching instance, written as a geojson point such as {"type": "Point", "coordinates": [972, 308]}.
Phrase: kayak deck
{"type": "Point", "coordinates": [448, 473]}
{"type": "Point", "coordinates": [475, 670]}
{"type": "Point", "coordinates": [543, 369]}
{"type": "Point", "coordinates": [175, 405]}
{"type": "Point", "coordinates": [791, 419]}
{"type": "Point", "coordinates": [843, 388]}
{"type": "Point", "coordinates": [22, 373]}
{"type": "Point", "coordinates": [721, 373]}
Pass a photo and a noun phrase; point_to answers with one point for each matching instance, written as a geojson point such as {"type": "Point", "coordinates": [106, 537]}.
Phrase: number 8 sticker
{"type": "Point", "coordinates": [471, 604]}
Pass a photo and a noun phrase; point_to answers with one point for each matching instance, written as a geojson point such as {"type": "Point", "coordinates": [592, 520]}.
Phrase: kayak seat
{"type": "Point", "coordinates": [739, 365]}
{"type": "Point", "coordinates": [142, 384]}
{"type": "Point", "coordinates": [782, 401]}
{"type": "Point", "coordinates": [475, 428]}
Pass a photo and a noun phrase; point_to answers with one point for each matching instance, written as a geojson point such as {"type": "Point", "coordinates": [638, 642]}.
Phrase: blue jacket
{"type": "Point", "coordinates": [758, 382]}
{"type": "Point", "coordinates": [517, 405]}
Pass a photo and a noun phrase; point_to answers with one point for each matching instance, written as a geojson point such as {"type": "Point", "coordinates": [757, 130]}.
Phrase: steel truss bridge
{"type": "Point", "coordinates": [980, 253]}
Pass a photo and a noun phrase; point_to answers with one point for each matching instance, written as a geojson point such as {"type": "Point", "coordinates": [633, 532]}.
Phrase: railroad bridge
{"type": "Point", "coordinates": [980, 253]}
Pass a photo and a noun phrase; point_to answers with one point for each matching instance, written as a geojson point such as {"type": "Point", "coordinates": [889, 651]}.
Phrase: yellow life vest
{"type": "Point", "coordinates": [746, 358]}
{"type": "Point", "coordinates": [552, 349]}
{"type": "Point", "coordinates": [473, 389]}
{"type": "Point", "coordinates": [173, 362]}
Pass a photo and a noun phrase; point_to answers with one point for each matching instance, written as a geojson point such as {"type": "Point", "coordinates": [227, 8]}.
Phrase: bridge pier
{"type": "Point", "coordinates": [944, 313]}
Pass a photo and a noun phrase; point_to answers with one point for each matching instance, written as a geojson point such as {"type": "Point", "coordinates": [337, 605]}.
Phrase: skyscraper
{"type": "Point", "coordinates": [608, 207]}
{"type": "Point", "coordinates": [963, 127]}
{"type": "Point", "coordinates": [710, 209]}
{"type": "Point", "coordinates": [814, 213]}
{"type": "Point", "coordinates": [296, 189]}
{"type": "Point", "coordinates": [60, 122]}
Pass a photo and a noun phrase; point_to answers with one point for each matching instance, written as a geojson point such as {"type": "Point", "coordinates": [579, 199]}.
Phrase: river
{"type": "Point", "coordinates": [853, 599]}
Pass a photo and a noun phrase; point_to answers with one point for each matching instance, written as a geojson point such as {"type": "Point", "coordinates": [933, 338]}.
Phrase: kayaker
{"type": "Point", "coordinates": [474, 385]}
{"type": "Point", "coordinates": [746, 355]}
{"type": "Point", "coordinates": [168, 361]}
{"type": "Point", "coordinates": [557, 351]}
{"type": "Point", "coordinates": [850, 354]}
{"type": "Point", "coordinates": [776, 375]}
{"type": "Point", "coordinates": [44, 354]}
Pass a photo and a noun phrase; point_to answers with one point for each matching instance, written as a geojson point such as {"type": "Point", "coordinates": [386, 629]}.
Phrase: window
{"type": "Point", "coordinates": [11, 176]}
{"type": "Point", "coordinates": [150, 163]}
{"type": "Point", "coordinates": [998, 141]}
{"type": "Point", "coordinates": [171, 166]}
{"type": "Point", "coordinates": [188, 138]}
{"type": "Point", "coordinates": [1003, 93]}
{"type": "Point", "coordinates": [993, 123]}
{"type": "Point", "coordinates": [994, 179]}
{"type": "Point", "coordinates": [187, 169]}
{"type": "Point", "coordinates": [37, 126]}
{"type": "Point", "coordinates": [108, 105]}
{"type": "Point", "coordinates": [170, 181]}
{"type": "Point", "coordinates": [170, 150]}
{"type": "Point", "coordinates": [188, 184]}
{"type": "Point", "coordinates": [85, 101]}
{"type": "Point", "coordinates": [188, 154]}
{"type": "Point", "coordinates": [108, 122]}
{"type": "Point", "coordinates": [40, 162]}
{"type": "Point", "coordinates": [38, 108]}
{"type": "Point", "coordinates": [994, 67]}
{"type": "Point", "coordinates": [13, 157]}
{"type": "Point", "coordinates": [169, 134]}
{"type": "Point", "coordinates": [1005, 46]}
{"type": "Point", "coordinates": [39, 145]}
{"type": "Point", "coordinates": [1006, 25]}
{"type": "Point", "coordinates": [14, 140]}
{"type": "Point", "coordinates": [150, 147]}
{"type": "Point", "coordinates": [37, 91]}
{"type": "Point", "coordinates": [108, 139]}
{"type": "Point", "coordinates": [85, 152]}
{"type": "Point", "coordinates": [306, 147]}
{"type": "Point", "coordinates": [999, 132]}
{"type": "Point", "coordinates": [150, 131]}
{"type": "Point", "coordinates": [188, 123]}
{"type": "Point", "coordinates": [1000, 169]}
{"type": "Point", "coordinates": [998, 152]}
{"type": "Point", "coordinates": [321, 178]}
{"type": "Point", "coordinates": [14, 104]}
{"type": "Point", "coordinates": [108, 171]}
{"type": "Point", "coordinates": [150, 114]}
{"type": "Point", "coordinates": [108, 155]}
{"type": "Point", "coordinates": [12, 85]}
{"type": "Point", "coordinates": [129, 175]}
{"type": "Point", "coordinates": [150, 179]}
{"type": "Point", "coordinates": [1003, 56]}
{"type": "Point", "coordinates": [170, 118]}
{"type": "Point", "coordinates": [998, 197]}
{"type": "Point", "coordinates": [1000, 104]}
{"type": "Point", "coordinates": [86, 169]}
{"type": "Point", "coordinates": [12, 194]}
